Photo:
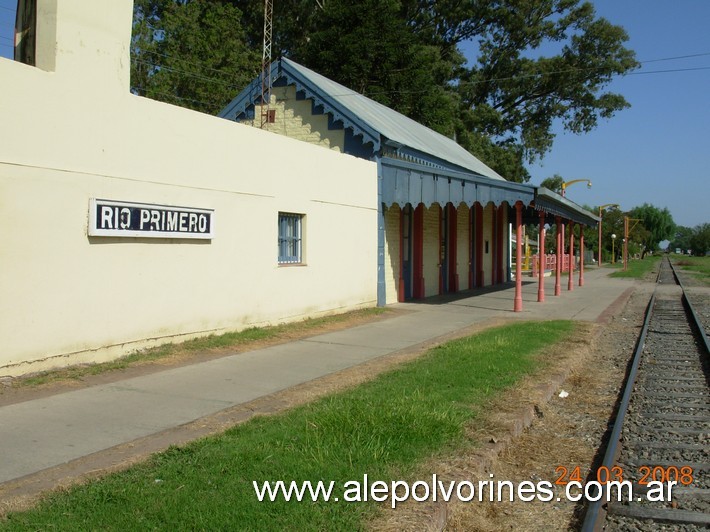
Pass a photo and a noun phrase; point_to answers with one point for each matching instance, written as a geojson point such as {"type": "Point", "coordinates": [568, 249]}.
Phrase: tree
{"type": "Point", "coordinates": [612, 224]}
{"type": "Point", "coordinates": [190, 53]}
{"type": "Point", "coordinates": [553, 183]}
{"type": "Point", "coordinates": [516, 93]}
{"type": "Point", "coordinates": [700, 241]}
{"type": "Point", "coordinates": [657, 224]}
{"type": "Point", "coordinates": [536, 62]}
{"type": "Point", "coordinates": [681, 238]}
{"type": "Point", "coordinates": [370, 47]}
{"type": "Point", "coordinates": [503, 106]}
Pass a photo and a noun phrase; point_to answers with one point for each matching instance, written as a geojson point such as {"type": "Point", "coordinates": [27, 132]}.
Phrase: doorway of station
{"type": "Point", "coordinates": [411, 253]}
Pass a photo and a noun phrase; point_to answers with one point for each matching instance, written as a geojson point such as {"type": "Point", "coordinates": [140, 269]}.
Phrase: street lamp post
{"type": "Point", "coordinates": [627, 230]}
{"type": "Point", "coordinates": [564, 189]}
{"type": "Point", "coordinates": [599, 257]}
{"type": "Point", "coordinates": [567, 183]}
{"type": "Point", "coordinates": [613, 254]}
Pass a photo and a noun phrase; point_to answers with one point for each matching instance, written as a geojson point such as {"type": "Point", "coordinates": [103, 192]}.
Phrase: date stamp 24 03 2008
{"type": "Point", "coordinates": [612, 483]}
{"type": "Point", "coordinates": [682, 475]}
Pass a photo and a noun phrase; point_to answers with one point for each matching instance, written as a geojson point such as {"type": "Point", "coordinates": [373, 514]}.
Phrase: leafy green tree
{"type": "Point", "coordinates": [191, 53]}
{"type": "Point", "coordinates": [516, 92]}
{"type": "Point", "coordinates": [681, 238]}
{"type": "Point", "coordinates": [657, 224]}
{"type": "Point", "coordinates": [612, 224]}
{"type": "Point", "coordinates": [406, 55]}
{"type": "Point", "coordinates": [553, 183]}
{"type": "Point", "coordinates": [534, 62]}
{"type": "Point", "coordinates": [700, 241]}
{"type": "Point", "coordinates": [369, 47]}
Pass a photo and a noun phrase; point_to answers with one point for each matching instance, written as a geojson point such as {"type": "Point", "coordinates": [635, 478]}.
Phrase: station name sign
{"type": "Point", "coordinates": [143, 220]}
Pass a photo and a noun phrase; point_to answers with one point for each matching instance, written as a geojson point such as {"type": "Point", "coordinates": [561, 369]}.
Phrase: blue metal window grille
{"type": "Point", "coordinates": [290, 238]}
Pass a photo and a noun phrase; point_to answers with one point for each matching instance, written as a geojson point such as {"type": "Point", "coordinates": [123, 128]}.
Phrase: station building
{"type": "Point", "coordinates": [443, 215]}
{"type": "Point", "coordinates": [128, 222]}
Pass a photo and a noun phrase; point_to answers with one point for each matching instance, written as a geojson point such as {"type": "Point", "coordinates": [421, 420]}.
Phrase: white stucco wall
{"type": "Point", "coordinates": [74, 132]}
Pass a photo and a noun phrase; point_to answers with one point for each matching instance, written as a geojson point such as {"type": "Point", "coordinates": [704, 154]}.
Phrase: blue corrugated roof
{"type": "Point", "coordinates": [368, 117]}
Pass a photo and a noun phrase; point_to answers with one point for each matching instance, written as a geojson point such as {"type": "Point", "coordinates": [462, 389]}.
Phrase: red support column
{"type": "Point", "coordinates": [541, 260]}
{"type": "Point", "coordinates": [581, 255]}
{"type": "Point", "coordinates": [518, 303]}
{"type": "Point", "coordinates": [570, 280]}
{"type": "Point", "coordinates": [558, 262]}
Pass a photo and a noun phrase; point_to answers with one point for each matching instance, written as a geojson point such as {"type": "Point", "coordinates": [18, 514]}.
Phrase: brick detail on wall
{"type": "Point", "coordinates": [294, 119]}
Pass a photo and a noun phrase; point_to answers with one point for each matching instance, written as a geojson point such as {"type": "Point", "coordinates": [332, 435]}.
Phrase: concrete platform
{"type": "Point", "coordinates": [42, 433]}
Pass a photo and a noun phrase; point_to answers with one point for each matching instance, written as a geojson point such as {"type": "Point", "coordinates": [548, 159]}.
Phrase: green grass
{"type": "Point", "coordinates": [207, 343]}
{"type": "Point", "coordinates": [637, 268]}
{"type": "Point", "coordinates": [700, 265]}
{"type": "Point", "coordinates": [383, 428]}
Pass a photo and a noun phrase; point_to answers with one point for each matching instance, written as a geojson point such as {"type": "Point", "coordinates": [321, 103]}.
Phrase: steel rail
{"type": "Point", "coordinates": [691, 309]}
{"type": "Point", "coordinates": [593, 513]}
{"type": "Point", "coordinates": [594, 509]}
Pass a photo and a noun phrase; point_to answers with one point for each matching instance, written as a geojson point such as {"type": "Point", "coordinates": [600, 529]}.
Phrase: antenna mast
{"type": "Point", "coordinates": [266, 62]}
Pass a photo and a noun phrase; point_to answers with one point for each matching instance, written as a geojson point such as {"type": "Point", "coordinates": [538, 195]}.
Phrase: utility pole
{"type": "Point", "coordinates": [266, 62]}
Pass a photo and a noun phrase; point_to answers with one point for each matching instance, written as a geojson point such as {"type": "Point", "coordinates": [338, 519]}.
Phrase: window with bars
{"type": "Point", "coordinates": [290, 238]}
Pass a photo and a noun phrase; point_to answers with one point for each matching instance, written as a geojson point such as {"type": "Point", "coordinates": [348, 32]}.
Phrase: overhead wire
{"type": "Point", "coordinates": [212, 79]}
{"type": "Point", "coordinates": [170, 94]}
{"type": "Point", "coordinates": [395, 92]}
{"type": "Point", "coordinates": [186, 73]}
{"type": "Point", "coordinates": [222, 72]}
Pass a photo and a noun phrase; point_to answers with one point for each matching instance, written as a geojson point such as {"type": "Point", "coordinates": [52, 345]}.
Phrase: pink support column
{"type": "Point", "coordinates": [558, 262]}
{"type": "Point", "coordinates": [541, 258]}
{"type": "Point", "coordinates": [581, 255]}
{"type": "Point", "coordinates": [518, 302]}
{"type": "Point", "coordinates": [570, 280]}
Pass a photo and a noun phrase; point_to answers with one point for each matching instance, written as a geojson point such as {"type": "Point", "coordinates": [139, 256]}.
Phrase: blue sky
{"type": "Point", "coordinates": [7, 25]}
{"type": "Point", "coordinates": [658, 151]}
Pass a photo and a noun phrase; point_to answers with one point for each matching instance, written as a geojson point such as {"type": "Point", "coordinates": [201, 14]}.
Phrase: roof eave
{"type": "Point", "coordinates": [548, 201]}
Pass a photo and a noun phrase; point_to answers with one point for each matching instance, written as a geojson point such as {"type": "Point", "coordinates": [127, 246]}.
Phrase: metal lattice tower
{"type": "Point", "coordinates": [266, 62]}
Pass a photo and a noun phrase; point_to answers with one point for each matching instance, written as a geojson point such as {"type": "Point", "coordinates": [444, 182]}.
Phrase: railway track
{"type": "Point", "coordinates": [662, 429]}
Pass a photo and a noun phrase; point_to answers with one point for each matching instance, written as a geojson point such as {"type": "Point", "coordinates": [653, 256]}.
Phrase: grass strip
{"type": "Point", "coordinates": [207, 343]}
{"type": "Point", "coordinates": [700, 265]}
{"type": "Point", "coordinates": [637, 268]}
{"type": "Point", "coordinates": [382, 428]}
